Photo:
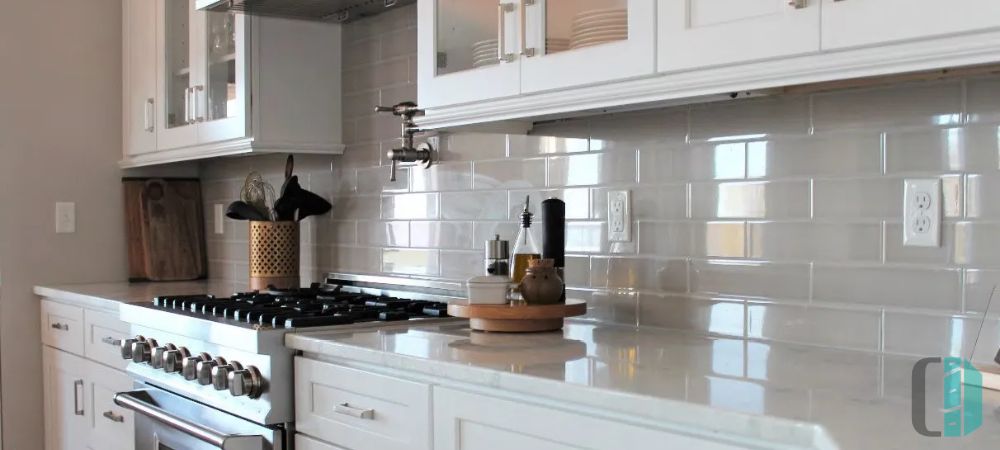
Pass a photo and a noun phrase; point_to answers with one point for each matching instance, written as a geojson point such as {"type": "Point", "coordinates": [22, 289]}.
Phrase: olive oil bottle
{"type": "Point", "coordinates": [525, 248]}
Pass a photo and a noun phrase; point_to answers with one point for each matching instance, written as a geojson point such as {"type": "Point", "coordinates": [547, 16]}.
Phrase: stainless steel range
{"type": "Point", "coordinates": [214, 373]}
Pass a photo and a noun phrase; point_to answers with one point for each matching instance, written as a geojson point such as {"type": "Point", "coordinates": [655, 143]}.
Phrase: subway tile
{"type": "Point", "coordinates": [389, 234]}
{"type": "Point", "coordinates": [952, 195]}
{"type": "Point", "coordinates": [585, 237]}
{"type": "Point", "coordinates": [452, 235]}
{"type": "Point", "coordinates": [815, 325]}
{"type": "Point", "coordinates": [691, 314]}
{"type": "Point", "coordinates": [757, 200]}
{"type": "Point", "coordinates": [719, 239]}
{"type": "Point", "coordinates": [896, 252]}
{"type": "Point", "coordinates": [355, 259]}
{"type": "Point", "coordinates": [577, 202]}
{"type": "Point", "coordinates": [751, 279]}
{"type": "Point", "coordinates": [894, 106]}
{"type": "Point", "coordinates": [337, 232]}
{"type": "Point", "coordinates": [377, 128]}
{"type": "Point", "coordinates": [941, 150]}
{"type": "Point", "coordinates": [901, 287]}
{"type": "Point", "coordinates": [980, 196]}
{"type": "Point", "coordinates": [629, 131]}
{"type": "Point", "coordinates": [815, 241]}
{"type": "Point", "coordinates": [396, 71]}
{"type": "Point", "coordinates": [400, 43]}
{"type": "Point", "coordinates": [357, 207]}
{"type": "Point", "coordinates": [474, 205]}
{"type": "Point", "coordinates": [577, 271]}
{"type": "Point", "coordinates": [362, 51]}
{"type": "Point", "coordinates": [578, 128]}
{"type": "Point", "coordinates": [982, 291]}
{"type": "Point", "coordinates": [485, 231]}
{"type": "Point", "coordinates": [977, 244]}
{"type": "Point", "coordinates": [509, 174]}
{"type": "Point", "coordinates": [610, 306]}
{"type": "Point", "coordinates": [411, 262]}
{"type": "Point", "coordinates": [983, 99]}
{"type": "Point", "coordinates": [639, 273]}
{"type": "Point", "coordinates": [461, 265]}
{"type": "Point", "coordinates": [828, 154]}
{"type": "Point", "coordinates": [357, 104]}
{"type": "Point", "coordinates": [473, 146]}
{"type": "Point", "coordinates": [669, 239]}
{"type": "Point", "coordinates": [398, 94]}
{"type": "Point", "coordinates": [722, 161]}
{"type": "Point", "coordinates": [441, 177]}
{"type": "Point", "coordinates": [338, 181]}
{"type": "Point", "coordinates": [410, 206]}
{"type": "Point", "coordinates": [360, 155]}
{"type": "Point", "coordinates": [663, 202]}
{"type": "Point", "coordinates": [375, 180]}
{"type": "Point", "coordinates": [929, 335]}
{"type": "Point", "coordinates": [738, 120]}
{"type": "Point", "coordinates": [858, 198]}
{"type": "Point", "coordinates": [591, 169]}
{"type": "Point", "coordinates": [534, 145]}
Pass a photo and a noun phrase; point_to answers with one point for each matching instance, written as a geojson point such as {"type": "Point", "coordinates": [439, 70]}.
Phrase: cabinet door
{"type": "Point", "coordinates": [466, 421]}
{"type": "Point", "coordinates": [139, 57]}
{"type": "Point", "coordinates": [175, 117]}
{"type": "Point", "coordinates": [112, 427]}
{"type": "Point", "coordinates": [701, 33]}
{"type": "Point", "coordinates": [219, 75]}
{"type": "Point", "coordinates": [459, 44]}
{"type": "Point", "coordinates": [66, 418]}
{"type": "Point", "coordinates": [851, 23]}
{"type": "Point", "coordinates": [576, 42]}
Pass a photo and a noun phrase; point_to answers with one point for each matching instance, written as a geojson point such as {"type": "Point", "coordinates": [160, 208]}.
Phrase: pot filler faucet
{"type": "Point", "coordinates": [407, 153]}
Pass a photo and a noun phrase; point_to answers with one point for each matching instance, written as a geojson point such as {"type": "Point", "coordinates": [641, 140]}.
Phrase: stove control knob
{"type": "Point", "coordinates": [158, 353]}
{"type": "Point", "coordinates": [126, 347]}
{"type": "Point", "coordinates": [190, 366]}
{"type": "Point", "coordinates": [174, 359]}
{"type": "Point", "coordinates": [142, 350]}
{"type": "Point", "coordinates": [204, 369]}
{"type": "Point", "coordinates": [246, 382]}
{"type": "Point", "coordinates": [220, 375]}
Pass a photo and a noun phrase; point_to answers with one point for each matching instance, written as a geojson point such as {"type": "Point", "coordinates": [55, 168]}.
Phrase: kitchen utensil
{"type": "Point", "coordinates": [258, 193]}
{"type": "Point", "coordinates": [554, 231]}
{"type": "Point", "coordinates": [497, 259]}
{"type": "Point", "coordinates": [289, 169]}
{"type": "Point", "coordinates": [240, 210]}
{"type": "Point", "coordinates": [274, 254]}
{"type": "Point", "coordinates": [541, 284]}
{"type": "Point", "coordinates": [165, 226]}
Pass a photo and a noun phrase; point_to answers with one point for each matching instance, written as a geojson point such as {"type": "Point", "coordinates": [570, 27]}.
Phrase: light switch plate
{"type": "Point", "coordinates": [65, 217]}
{"type": "Point", "coordinates": [619, 216]}
{"type": "Point", "coordinates": [922, 212]}
{"type": "Point", "coordinates": [220, 219]}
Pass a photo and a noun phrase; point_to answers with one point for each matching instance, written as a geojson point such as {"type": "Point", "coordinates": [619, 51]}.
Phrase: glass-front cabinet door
{"type": "Point", "coordinates": [469, 52]}
{"type": "Point", "coordinates": [577, 42]}
{"type": "Point", "coordinates": [175, 119]}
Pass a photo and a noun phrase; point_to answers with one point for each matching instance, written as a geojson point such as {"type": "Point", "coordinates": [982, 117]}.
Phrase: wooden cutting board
{"type": "Point", "coordinates": [166, 229]}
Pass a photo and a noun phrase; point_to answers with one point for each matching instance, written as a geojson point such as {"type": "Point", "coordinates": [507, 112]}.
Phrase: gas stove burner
{"type": "Point", "coordinates": [312, 291]}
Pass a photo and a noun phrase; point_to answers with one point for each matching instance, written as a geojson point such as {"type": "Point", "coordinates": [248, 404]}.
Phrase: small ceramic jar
{"type": "Point", "coordinates": [541, 284]}
{"type": "Point", "coordinates": [488, 290]}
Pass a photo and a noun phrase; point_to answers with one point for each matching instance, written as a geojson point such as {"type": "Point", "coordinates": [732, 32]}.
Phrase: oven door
{"type": "Point", "coordinates": [166, 421]}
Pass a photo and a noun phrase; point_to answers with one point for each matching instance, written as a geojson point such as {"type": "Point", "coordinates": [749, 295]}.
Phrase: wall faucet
{"type": "Point", "coordinates": [407, 152]}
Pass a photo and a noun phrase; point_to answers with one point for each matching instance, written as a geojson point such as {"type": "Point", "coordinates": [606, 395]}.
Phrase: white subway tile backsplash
{"type": "Point", "coordinates": [983, 99]}
{"type": "Point", "coordinates": [577, 202]}
{"type": "Point", "coordinates": [410, 262]}
{"type": "Point", "coordinates": [751, 279]}
{"type": "Point", "coordinates": [982, 290]}
{"type": "Point", "coordinates": [666, 275]}
{"type": "Point", "coordinates": [722, 161]}
{"type": "Point", "coordinates": [980, 195]}
{"type": "Point", "coordinates": [668, 239]}
{"type": "Point", "coordinates": [592, 169]}
{"type": "Point", "coordinates": [451, 235]}
{"type": "Point", "coordinates": [852, 198]}
{"type": "Point", "coordinates": [387, 234]}
{"type": "Point", "coordinates": [929, 335]}
{"type": "Point", "coordinates": [585, 237]}
{"type": "Point", "coordinates": [940, 150]}
{"type": "Point", "coordinates": [896, 252]}
{"type": "Point", "coordinates": [640, 130]}
{"type": "Point", "coordinates": [610, 306]}
{"type": "Point", "coordinates": [474, 206]}
{"type": "Point", "coordinates": [410, 206]}
{"type": "Point", "coordinates": [895, 106]}
{"type": "Point", "coordinates": [815, 325]}
{"type": "Point", "coordinates": [509, 174]}
{"type": "Point", "coordinates": [750, 118]}
{"type": "Point", "coordinates": [754, 200]}
{"type": "Point", "coordinates": [827, 154]}
{"type": "Point", "coordinates": [375, 180]}
{"type": "Point", "coordinates": [472, 146]}
{"type": "Point", "coordinates": [661, 202]}
{"type": "Point", "coordinates": [528, 146]}
{"type": "Point", "coordinates": [441, 177]}
{"type": "Point", "coordinates": [461, 265]}
{"type": "Point", "coordinates": [977, 244]}
{"type": "Point", "coordinates": [816, 241]}
{"type": "Point", "coordinates": [897, 287]}
{"type": "Point", "coordinates": [719, 240]}
{"type": "Point", "coordinates": [686, 313]}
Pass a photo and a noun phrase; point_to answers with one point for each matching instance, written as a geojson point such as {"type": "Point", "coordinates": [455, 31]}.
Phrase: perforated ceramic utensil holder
{"type": "Point", "coordinates": [274, 255]}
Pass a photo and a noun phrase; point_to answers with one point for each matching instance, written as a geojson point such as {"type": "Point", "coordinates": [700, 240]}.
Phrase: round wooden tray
{"type": "Point", "coordinates": [518, 318]}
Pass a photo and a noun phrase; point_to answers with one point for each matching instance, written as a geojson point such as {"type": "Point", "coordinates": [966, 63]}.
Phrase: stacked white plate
{"type": "Point", "coordinates": [484, 53]}
{"type": "Point", "coordinates": [554, 44]}
{"type": "Point", "coordinates": [599, 26]}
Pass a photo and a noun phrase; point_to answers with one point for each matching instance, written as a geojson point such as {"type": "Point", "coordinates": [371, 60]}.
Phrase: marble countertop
{"type": "Point", "coordinates": [108, 295]}
{"type": "Point", "coordinates": [798, 395]}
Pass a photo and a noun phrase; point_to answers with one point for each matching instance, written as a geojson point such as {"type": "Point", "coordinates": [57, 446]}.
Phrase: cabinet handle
{"type": "Point", "coordinates": [798, 4]}
{"type": "Point", "coordinates": [111, 341]}
{"type": "Point", "coordinates": [349, 410]}
{"type": "Point", "coordinates": [199, 113]}
{"type": "Point", "coordinates": [110, 415]}
{"type": "Point", "coordinates": [148, 115]}
{"type": "Point", "coordinates": [502, 10]}
{"type": "Point", "coordinates": [77, 397]}
{"type": "Point", "coordinates": [527, 52]}
{"type": "Point", "coordinates": [187, 106]}
{"type": "Point", "coordinates": [60, 326]}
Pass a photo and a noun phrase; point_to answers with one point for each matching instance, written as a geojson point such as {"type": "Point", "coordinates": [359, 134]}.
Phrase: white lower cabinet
{"type": "Point", "coordinates": [66, 418]}
{"type": "Point", "coordinates": [303, 442]}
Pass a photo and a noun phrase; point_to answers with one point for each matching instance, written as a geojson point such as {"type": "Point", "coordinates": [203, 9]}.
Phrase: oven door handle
{"type": "Point", "coordinates": [222, 441]}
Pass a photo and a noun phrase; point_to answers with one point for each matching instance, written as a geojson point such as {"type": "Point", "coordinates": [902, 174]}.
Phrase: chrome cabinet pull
{"type": "Point", "coordinates": [503, 9]}
{"type": "Point", "coordinates": [60, 326]}
{"type": "Point", "coordinates": [147, 115]}
{"type": "Point", "coordinates": [798, 4]}
{"type": "Point", "coordinates": [199, 113]}
{"type": "Point", "coordinates": [77, 397]}
{"type": "Point", "coordinates": [110, 415]}
{"type": "Point", "coordinates": [111, 341]}
{"type": "Point", "coordinates": [349, 410]}
{"type": "Point", "coordinates": [187, 105]}
{"type": "Point", "coordinates": [525, 50]}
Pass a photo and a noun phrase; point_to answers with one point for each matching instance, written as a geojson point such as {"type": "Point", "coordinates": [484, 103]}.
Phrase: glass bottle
{"type": "Point", "coordinates": [525, 248]}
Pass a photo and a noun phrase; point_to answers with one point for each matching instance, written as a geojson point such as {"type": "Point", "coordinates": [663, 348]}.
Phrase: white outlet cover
{"type": "Point", "coordinates": [65, 217]}
{"type": "Point", "coordinates": [922, 212]}
{"type": "Point", "coordinates": [619, 216]}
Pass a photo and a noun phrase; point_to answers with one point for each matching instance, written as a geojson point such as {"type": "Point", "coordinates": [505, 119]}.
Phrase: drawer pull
{"type": "Point", "coordinates": [111, 341]}
{"type": "Point", "coordinates": [60, 326]}
{"type": "Point", "coordinates": [78, 398]}
{"type": "Point", "coordinates": [110, 415]}
{"type": "Point", "coordinates": [349, 410]}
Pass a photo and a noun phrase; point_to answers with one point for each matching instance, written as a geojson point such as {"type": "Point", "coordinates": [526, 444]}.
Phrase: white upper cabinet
{"type": "Point", "coordinates": [852, 23]}
{"type": "Point", "coordinates": [139, 58]}
{"type": "Point", "coordinates": [703, 33]}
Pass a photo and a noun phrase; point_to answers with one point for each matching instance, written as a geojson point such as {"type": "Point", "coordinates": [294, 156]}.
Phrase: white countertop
{"type": "Point", "coordinates": [107, 296]}
{"type": "Point", "coordinates": [783, 392]}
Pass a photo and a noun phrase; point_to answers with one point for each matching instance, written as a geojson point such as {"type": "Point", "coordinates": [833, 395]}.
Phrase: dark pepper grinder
{"type": "Point", "coordinates": [554, 235]}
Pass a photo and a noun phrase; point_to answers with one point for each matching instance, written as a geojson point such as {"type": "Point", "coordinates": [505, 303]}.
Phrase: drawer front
{"type": "Point", "coordinates": [113, 426]}
{"type": "Point", "coordinates": [303, 442]}
{"type": "Point", "coordinates": [103, 334]}
{"type": "Point", "coordinates": [466, 421]}
{"type": "Point", "coordinates": [360, 410]}
{"type": "Point", "coordinates": [62, 326]}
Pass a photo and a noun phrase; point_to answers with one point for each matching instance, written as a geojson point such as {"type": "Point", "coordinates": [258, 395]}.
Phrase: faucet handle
{"type": "Point", "coordinates": [405, 109]}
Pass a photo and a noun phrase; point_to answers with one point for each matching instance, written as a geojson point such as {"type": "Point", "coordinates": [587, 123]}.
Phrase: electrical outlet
{"type": "Point", "coordinates": [65, 217]}
{"type": "Point", "coordinates": [619, 216]}
{"type": "Point", "coordinates": [220, 219]}
{"type": "Point", "coordinates": [922, 212]}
